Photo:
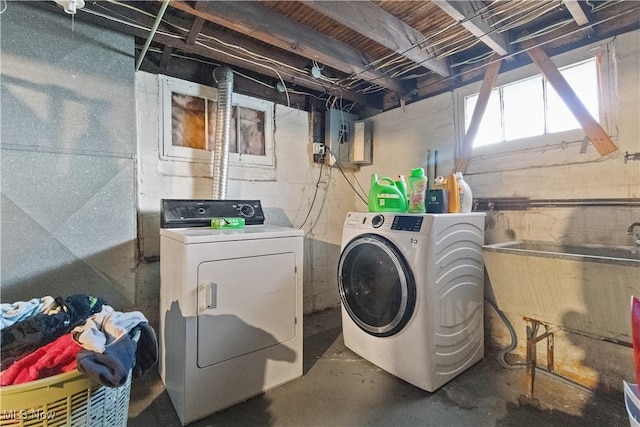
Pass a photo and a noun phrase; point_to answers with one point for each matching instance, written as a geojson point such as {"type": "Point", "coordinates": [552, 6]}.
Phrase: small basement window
{"type": "Point", "coordinates": [524, 112]}
{"type": "Point", "coordinates": [189, 114]}
{"type": "Point", "coordinates": [531, 107]}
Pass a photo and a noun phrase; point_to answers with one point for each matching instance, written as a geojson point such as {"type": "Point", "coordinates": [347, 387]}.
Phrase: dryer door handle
{"type": "Point", "coordinates": [211, 295]}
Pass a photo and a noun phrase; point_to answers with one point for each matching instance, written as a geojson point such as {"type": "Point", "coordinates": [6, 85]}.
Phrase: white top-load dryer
{"type": "Point", "coordinates": [230, 312]}
{"type": "Point", "coordinates": [412, 292]}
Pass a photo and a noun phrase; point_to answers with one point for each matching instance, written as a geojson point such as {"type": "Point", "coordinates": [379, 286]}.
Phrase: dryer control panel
{"type": "Point", "coordinates": [179, 213]}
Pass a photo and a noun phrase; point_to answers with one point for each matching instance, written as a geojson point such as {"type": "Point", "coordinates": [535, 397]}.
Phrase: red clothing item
{"type": "Point", "coordinates": [54, 358]}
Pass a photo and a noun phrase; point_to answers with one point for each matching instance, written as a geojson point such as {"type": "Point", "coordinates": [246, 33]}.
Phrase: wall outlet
{"type": "Point", "coordinates": [318, 152]}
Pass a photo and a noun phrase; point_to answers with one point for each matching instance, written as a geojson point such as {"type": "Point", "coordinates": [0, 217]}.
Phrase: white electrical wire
{"type": "Point", "coordinates": [544, 31]}
{"type": "Point", "coordinates": [533, 11]}
{"type": "Point", "coordinates": [4, 8]}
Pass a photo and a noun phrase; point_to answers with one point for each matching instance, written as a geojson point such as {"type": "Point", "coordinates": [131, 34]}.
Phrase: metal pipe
{"type": "Point", "coordinates": [224, 76]}
{"type": "Point", "coordinates": [163, 8]}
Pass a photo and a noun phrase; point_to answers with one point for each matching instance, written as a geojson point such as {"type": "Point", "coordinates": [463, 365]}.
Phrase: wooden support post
{"type": "Point", "coordinates": [599, 138]}
{"type": "Point", "coordinates": [489, 81]}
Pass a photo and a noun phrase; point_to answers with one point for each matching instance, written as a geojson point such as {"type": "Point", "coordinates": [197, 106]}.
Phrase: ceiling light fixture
{"type": "Point", "coordinates": [316, 71]}
{"type": "Point", "coordinates": [70, 6]}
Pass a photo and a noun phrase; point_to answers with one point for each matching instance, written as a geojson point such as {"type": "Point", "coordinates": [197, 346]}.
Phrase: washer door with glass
{"type": "Point", "coordinates": [376, 285]}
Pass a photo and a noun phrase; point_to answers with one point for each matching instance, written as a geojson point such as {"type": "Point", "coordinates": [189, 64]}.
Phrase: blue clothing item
{"type": "Point", "coordinates": [15, 312]}
{"type": "Point", "coordinates": [111, 367]}
{"type": "Point", "coordinates": [147, 351]}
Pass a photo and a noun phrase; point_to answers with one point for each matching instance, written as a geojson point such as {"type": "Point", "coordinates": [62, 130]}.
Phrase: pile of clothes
{"type": "Point", "coordinates": [48, 336]}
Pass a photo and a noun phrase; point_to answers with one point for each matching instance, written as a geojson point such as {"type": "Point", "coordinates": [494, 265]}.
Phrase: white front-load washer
{"type": "Point", "coordinates": [230, 314]}
{"type": "Point", "coordinates": [411, 287]}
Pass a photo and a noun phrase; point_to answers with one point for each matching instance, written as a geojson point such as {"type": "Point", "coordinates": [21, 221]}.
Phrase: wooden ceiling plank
{"type": "Point", "coordinates": [598, 136]}
{"type": "Point", "coordinates": [376, 24]}
{"type": "Point", "coordinates": [490, 76]}
{"type": "Point", "coordinates": [576, 11]}
{"type": "Point", "coordinates": [462, 11]}
{"type": "Point", "coordinates": [257, 21]}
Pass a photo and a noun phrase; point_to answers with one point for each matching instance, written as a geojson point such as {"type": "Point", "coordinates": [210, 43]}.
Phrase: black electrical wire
{"type": "Point", "coordinates": [315, 194]}
{"type": "Point", "coordinates": [345, 176]}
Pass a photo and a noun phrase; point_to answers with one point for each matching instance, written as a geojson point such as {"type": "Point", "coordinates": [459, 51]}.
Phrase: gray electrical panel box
{"type": "Point", "coordinates": [361, 149]}
{"type": "Point", "coordinates": [338, 137]}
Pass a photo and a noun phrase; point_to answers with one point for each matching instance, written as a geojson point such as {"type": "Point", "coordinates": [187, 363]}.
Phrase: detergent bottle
{"type": "Point", "coordinates": [417, 191]}
{"type": "Point", "coordinates": [454, 194]}
{"type": "Point", "coordinates": [466, 198]}
{"type": "Point", "coordinates": [385, 196]}
{"type": "Point", "coordinates": [402, 186]}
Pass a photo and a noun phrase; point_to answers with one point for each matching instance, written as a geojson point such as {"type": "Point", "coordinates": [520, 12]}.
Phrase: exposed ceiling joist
{"type": "Point", "coordinates": [464, 13]}
{"type": "Point", "coordinates": [221, 54]}
{"type": "Point", "coordinates": [576, 11]}
{"type": "Point", "coordinates": [195, 30]}
{"type": "Point", "coordinates": [376, 24]}
{"type": "Point", "coordinates": [262, 23]}
{"type": "Point", "coordinates": [220, 38]}
{"type": "Point", "coordinates": [166, 57]}
{"type": "Point", "coordinates": [269, 40]}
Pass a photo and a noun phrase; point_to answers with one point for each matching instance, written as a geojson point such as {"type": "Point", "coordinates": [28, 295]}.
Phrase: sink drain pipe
{"type": "Point", "coordinates": [514, 343]}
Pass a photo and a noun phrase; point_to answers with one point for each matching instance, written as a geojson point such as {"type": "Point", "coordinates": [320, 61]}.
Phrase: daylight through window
{"type": "Point", "coordinates": [531, 107]}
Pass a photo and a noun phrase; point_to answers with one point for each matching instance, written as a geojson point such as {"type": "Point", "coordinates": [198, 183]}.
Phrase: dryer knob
{"type": "Point", "coordinates": [377, 221]}
{"type": "Point", "coordinates": [247, 210]}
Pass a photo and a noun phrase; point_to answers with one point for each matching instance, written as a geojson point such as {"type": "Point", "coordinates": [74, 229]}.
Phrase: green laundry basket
{"type": "Point", "coordinates": [68, 399]}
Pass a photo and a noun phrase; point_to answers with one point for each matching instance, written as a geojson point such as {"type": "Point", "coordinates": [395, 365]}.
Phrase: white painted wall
{"type": "Point", "coordinates": [286, 198]}
{"type": "Point", "coordinates": [402, 138]}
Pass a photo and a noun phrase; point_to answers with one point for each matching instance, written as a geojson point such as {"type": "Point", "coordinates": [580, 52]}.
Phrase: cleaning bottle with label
{"type": "Point", "coordinates": [385, 196]}
{"type": "Point", "coordinates": [402, 186]}
{"type": "Point", "coordinates": [437, 197]}
{"type": "Point", "coordinates": [464, 191]}
{"type": "Point", "coordinates": [417, 190]}
{"type": "Point", "coordinates": [454, 195]}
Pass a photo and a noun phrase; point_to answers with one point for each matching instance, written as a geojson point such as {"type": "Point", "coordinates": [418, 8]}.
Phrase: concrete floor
{"type": "Point", "coordinates": [339, 388]}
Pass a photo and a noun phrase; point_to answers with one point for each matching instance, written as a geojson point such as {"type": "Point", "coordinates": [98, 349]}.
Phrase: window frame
{"type": "Point", "coordinates": [168, 151]}
{"type": "Point", "coordinates": [606, 91]}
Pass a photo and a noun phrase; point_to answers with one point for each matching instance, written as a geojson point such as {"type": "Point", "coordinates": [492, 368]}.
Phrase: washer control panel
{"type": "Point", "coordinates": [407, 223]}
{"type": "Point", "coordinates": [179, 213]}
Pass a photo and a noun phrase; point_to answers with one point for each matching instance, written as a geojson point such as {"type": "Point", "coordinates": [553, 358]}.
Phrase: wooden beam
{"type": "Point", "coordinates": [598, 136]}
{"type": "Point", "coordinates": [195, 30]}
{"type": "Point", "coordinates": [165, 58]}
{"type": "Point", "coordinates": [376, 24]}
{"type": "Point", "coordinates": [576, 11]}
{"type": "Point", "coordinates": [223, 55]}
{"type": "Point", "coordinates": [488, 83]}
{"type": "Point", "coordinates": [260, 22]}
{"type": "Point", "coordinates": [464, 13]}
